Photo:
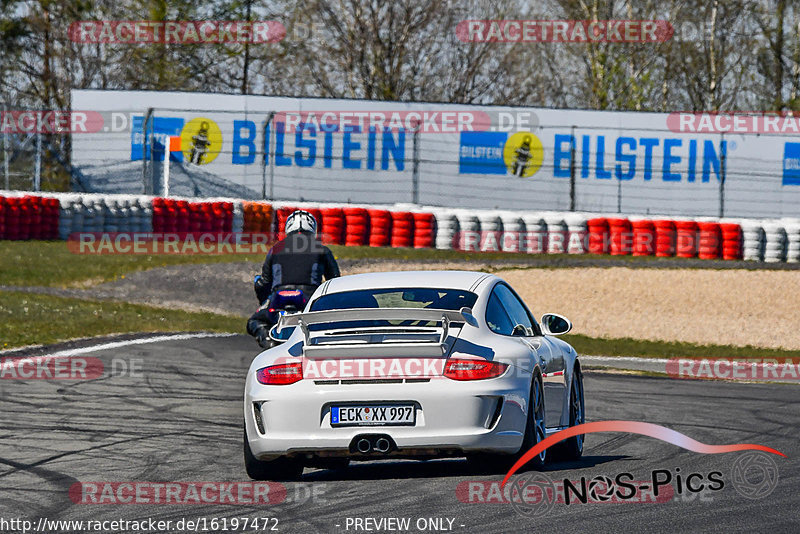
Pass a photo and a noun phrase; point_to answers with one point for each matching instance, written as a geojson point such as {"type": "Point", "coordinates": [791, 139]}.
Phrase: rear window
{"type": "Point", "coordinates": [439, 299]}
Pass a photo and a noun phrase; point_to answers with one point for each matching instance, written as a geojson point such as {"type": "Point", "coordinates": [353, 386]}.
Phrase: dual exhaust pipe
{"type": "Point", "coordinates": [372, 444]}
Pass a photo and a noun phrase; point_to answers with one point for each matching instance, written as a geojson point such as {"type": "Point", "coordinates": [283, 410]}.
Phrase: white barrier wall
{"type": "Point", "coordinates": [473, 157]}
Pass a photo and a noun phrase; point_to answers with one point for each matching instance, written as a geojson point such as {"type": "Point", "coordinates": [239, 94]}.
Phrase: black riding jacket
{"type": "Point", "coordinates": [300, 259]}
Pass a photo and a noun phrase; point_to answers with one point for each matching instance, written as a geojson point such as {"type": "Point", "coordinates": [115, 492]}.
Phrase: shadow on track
{"type": "Point", "coordinates": [449, 467]}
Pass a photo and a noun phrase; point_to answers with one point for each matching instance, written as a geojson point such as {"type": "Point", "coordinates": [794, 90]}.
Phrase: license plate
{"type": "Point", "coordinates": [386, 414]}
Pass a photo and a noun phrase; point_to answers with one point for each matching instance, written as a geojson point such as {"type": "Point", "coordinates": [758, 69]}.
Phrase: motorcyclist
{"type": "Point", "coordinates": [299, 261]}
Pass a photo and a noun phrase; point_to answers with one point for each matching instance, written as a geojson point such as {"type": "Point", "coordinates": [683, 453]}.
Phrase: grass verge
{"type": "Point", "coordinates": [671, 349]}
{"type": "Point", "coordinates": [32, 319]}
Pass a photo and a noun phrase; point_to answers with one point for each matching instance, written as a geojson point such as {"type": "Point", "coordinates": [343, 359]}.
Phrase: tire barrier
{"type": "Point", "coordinates": [170, 215]}
{"type": "Point", "coordinates": [576, 234]}
{"type": "Point", "coordinates": [57, 215]}
{"type": "Point", "coordinates": [665, 237]}
{"type": "Point", "coordinates": [792, 241]}
{"type": "Point", "coordinates": [28, 217]}
{"type": "Point", "coordinates": [557, 234]}
{"type": "Point", "coordinates": [257, 217]}
{"type": "Point", "coordinates": [446, 229]}
{"type": "Point", "coordinates": [513, 237]}
{"type": "Point", "coordinates": [598, 236]}
{"type": "Point", "coordinates": [332, 226]}
{"type": "Point", "coordinates": [752, 241]}
{"type": "Point", "coordinates": [775, 242]}
{"type": "Point", "coordinates": [709, 240]}
{"type": "Point", "coordinates": [731, 241]}
{"type": "Point", "coordinates": [620, 236]}
{"type": "Point", "coordinates": [644, 238]}
{"type": "Point", "coordinates": [402, 229]}
{"type": "Point", "coordinates": [685, 239]}
{"type": "Point", "coordinates": [535, 233]}
{"type": "Point", "coordinates": [380, 227]}
{"type": "Point", "coordinates": [424, 228]}
{"type": "Point", "coordinates": [356, 226]}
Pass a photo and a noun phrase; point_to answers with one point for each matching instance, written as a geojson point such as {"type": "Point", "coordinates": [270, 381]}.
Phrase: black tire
{"type": "Point", "coordinates": [282, 468]}
{"type": "Point", "coordinates": [572, 448]}
{"type": "Point", "coordinates": [497, 463]}
{"type": "Point", "coordinates": [535, 427]}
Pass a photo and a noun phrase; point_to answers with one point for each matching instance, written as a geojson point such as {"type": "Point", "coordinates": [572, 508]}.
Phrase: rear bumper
{"type": "Point", "coordinates": [451, 416]}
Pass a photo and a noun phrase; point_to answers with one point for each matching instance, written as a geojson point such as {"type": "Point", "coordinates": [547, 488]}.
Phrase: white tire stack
{"type": "Point", "coordinates": [752, 240]}
{"type": "Point", "coordinates": [446, 228]}
{"type": "Point", "coordinates": [237, 223]}
{"type": "Point", "coordinates": [469, 233]}
{"type": "Point", "coordinates": [512, 239]}
{"type": "Point", "coordinates": [491, 230]}
{"type": "Point", "coordinates": [775, 244]}
{"type": "Point", "coordinates": [576, 233]}
{"type": "Point", "coordinates": [535, 241]}
{"type": "Point", "coordinates": [792, 227]}
{"type": "Point", "coordinates": [557, 234]}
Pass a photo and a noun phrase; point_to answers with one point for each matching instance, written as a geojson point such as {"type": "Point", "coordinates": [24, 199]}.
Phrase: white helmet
{"type": "Point", "coordinates": [301, 221]}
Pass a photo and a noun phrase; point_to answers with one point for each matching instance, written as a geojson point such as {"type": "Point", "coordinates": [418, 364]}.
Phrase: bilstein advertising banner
{"type": "Point", "coordinates": [332, 150]}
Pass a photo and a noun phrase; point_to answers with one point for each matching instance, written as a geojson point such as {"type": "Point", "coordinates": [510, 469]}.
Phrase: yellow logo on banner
{"type": "Point", "coordinates": [523, 154]}
{"type": "Point", "coordinates": [201, 141]}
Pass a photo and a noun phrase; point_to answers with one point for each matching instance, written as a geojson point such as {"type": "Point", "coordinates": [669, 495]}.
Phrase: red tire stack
{"type": "Point", "coordinates": [11, 219]}
{"type": "Point", "coordinates": [665, 238]}
{"type": "Point", "coordinates": [709, 243]}
{"type": "Point", "coordinates": [160, 214]}
{"type": "Point", "coordinates": [356, 226]}
{"type": "Point", "coordinates": [50, 217]}
{"type": "Point", "coordinates": [644, 238]}
{"type": "Point", "coordinates": [402, 229]}
{"type": "Point", "coordinates": [598, 236]}
{"type": "Point", "coordinates": [222, 216]}
{"type": "Point", "coordinates": [34, 223]}
{"type": "Point", "coordinates": [731, 241]}
{"type": "Point", "coordinates": [332, 225]}
{"type": "Point", "coordinates": [686, 239]}
{"type": "Point", "coordinates": [621, 239]}
{"type": "Point", "coordinates": [197, 218]}
{"type": "Point", "coordinates": [424, 225]}
{"type": "Point", "coordinates": [182, 216]}
{"type": "Point", "coordinates": [380, 228]}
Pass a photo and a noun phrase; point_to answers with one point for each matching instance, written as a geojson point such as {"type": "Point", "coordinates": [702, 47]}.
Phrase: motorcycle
{"type": "Point", "coordinates": [284, 301]}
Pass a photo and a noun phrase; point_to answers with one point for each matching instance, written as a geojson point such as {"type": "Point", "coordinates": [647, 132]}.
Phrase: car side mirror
{"type": "Point", "coordinates": [555, 325]}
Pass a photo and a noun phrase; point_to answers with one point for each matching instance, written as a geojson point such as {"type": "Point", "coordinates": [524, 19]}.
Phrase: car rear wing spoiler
{"type": "Point", "coordinates": [399, 349]}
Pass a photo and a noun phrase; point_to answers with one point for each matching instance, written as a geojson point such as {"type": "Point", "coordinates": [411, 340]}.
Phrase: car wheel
{"type": "Point", "coordinates": [535, 428]}
{"type": "Point", "coordinates": [282, 468]}
{"type": "Point", "coordinates": [573, 447]}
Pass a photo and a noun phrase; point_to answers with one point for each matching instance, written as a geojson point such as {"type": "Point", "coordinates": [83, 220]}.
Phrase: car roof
{"type": "Point", "coordinates": [466, 280]}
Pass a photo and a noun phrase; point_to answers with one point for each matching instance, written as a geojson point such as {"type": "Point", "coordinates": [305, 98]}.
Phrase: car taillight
{"type": "Point", "coordinates": [473, 369]}
{"type": "Point", "coordinates": [280, 375]}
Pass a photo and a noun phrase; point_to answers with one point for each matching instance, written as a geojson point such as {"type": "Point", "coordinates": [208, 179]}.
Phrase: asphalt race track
{"type": "Point", "coordinates": [178, 418]}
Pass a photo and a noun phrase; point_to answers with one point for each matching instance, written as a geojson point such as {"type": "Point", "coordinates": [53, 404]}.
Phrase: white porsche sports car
{"type": "Point", "coordinates": [413, 364]}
